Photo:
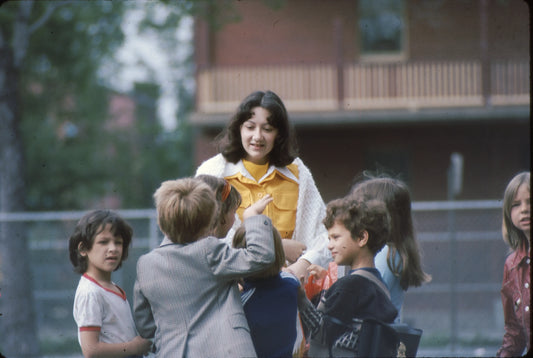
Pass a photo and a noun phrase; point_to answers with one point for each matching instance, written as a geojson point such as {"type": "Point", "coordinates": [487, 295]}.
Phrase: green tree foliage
{"type": "Point", "coordinates": [64, 103]}
{"type": "Point", "coordinates": [50, 52]}
{"type": "Point", "coordinates": [142, 156]}
{"type": "Point", "coordinates": [73, 155]}
{"type": "Point", "coordinates": [56, 147]}
{"type": "Point", "coordinates": [59, 148]}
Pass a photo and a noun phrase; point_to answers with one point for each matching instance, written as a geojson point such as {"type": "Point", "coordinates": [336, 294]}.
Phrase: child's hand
{"type": "Point", "coordinates": [299, 269]}
{"type": "Point", "coordinates": [317, 271]}
{"type": "Point", "coordinates": [258, 207]}
{"type": "Point", "coordinates": [141, 346]}
{"type": "Point", "coordinates": [293, 249]}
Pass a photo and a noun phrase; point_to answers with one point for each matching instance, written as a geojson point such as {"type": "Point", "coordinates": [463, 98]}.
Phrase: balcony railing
{"type": "Point", "coordinates": [510, 83]}
{"type": "Point", "coordinates": [413, 85]}
{"type": "Point", "coordinates": [410, 85]}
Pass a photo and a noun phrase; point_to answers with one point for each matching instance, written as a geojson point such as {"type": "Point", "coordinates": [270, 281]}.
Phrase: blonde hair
{"type": "Point", "coordinates": [185, 209]}
{"type": "Point", "coordinates": [239, 242]}
{"type": "Point", "coordinates": [513, 236]}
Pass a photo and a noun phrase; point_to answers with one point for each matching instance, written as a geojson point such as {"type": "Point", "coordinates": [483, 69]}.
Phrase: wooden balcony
{"type": "Point", "coordinates": [408, 86]}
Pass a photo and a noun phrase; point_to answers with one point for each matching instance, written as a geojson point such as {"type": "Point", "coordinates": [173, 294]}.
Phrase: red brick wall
{"type": "Point", "coordinates": [305, 31]}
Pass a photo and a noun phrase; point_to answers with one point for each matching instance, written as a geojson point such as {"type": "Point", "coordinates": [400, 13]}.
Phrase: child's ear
{"type": "Point", "coordinates": [363, 238]}
{"type": "Point", "coordinates": [81, 249]}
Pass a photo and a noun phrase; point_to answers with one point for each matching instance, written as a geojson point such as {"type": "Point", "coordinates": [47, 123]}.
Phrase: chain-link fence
{"type": "Point", "coordinates": [53, 278]}
{"type": "Point", "coordinates": [463, 250]}
{"type": "Point", "coordinates": [461, 246]}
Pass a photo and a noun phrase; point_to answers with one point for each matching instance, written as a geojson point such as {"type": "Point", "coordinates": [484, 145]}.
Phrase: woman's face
{"type": "Point", "coordinates": [258, 136]}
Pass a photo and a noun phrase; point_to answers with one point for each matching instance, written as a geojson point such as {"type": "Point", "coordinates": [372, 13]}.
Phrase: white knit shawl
{"type": "Point", "coordinates": [310, 210]}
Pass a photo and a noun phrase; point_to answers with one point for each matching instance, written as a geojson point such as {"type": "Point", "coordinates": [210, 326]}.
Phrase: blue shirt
{"type": "Point", "coordinates": [393, 282]}
{"type": "Point", "coordinates": [270, 306]}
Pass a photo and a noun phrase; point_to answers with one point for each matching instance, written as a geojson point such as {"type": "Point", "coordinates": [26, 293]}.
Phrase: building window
{"type": "Point", "coordinates": [382, 30]}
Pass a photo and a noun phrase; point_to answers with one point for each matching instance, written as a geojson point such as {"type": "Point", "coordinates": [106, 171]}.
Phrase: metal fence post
{"type": "Point", "coordinates": [154, 233]}
{"type": "Point", "coordinates": [455, 180]}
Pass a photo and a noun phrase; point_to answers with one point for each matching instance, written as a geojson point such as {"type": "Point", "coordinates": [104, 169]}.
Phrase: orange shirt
{"type": "Point", "coordinates": [284, 191]}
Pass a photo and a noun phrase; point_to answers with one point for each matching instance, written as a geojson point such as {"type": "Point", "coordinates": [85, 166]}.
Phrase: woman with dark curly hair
{"type": "Point", "coordinates": [258, 156]}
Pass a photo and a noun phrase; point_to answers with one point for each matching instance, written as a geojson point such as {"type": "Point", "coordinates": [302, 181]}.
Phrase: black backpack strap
{"type": "Point", "coordinates": [374, 279]}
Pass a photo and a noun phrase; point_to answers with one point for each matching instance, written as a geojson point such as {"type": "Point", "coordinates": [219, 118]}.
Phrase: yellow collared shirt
{"type": "Point", "coordinates": [284, 191]}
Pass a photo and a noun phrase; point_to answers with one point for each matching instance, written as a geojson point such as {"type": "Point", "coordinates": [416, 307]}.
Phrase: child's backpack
{"type": "Point", "coordinates": [372, 338]}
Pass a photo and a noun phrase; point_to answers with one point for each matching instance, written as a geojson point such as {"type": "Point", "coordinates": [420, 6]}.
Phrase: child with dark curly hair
{"type": "Point", "coordinates": [357, 230]}
{"type": "Point", "coordinates": [97, 247]}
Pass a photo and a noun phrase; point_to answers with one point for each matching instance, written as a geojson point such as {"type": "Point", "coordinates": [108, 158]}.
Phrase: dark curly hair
{"type": "Point", "coordinates": [358, 216]}
{"type": "Point", "coordinates": [90, 225]}
{"type": "Point", "coordinates": [285, 148]}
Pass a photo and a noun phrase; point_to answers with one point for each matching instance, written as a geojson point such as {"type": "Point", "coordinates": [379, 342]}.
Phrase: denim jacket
{"type": "Point", "coordinates": [516, 300]}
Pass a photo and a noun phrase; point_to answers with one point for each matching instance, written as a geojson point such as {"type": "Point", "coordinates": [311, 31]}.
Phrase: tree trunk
{"type": "Point", "coordinates": [18, 337]}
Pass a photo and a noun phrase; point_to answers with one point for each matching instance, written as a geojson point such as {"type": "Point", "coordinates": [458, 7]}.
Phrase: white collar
{"type": "Point", "coordinates": [232, 169]}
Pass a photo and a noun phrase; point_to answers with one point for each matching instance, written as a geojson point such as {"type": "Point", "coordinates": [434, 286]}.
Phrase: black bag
{"type": "Point", "coordinates": [363, 338]}
{"type": "Point", "coordinates": [372, 338]}
{"type": "Point", "coordinates": [375, 339]}
{"type": "Point", "coordinates": [409, 339]}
